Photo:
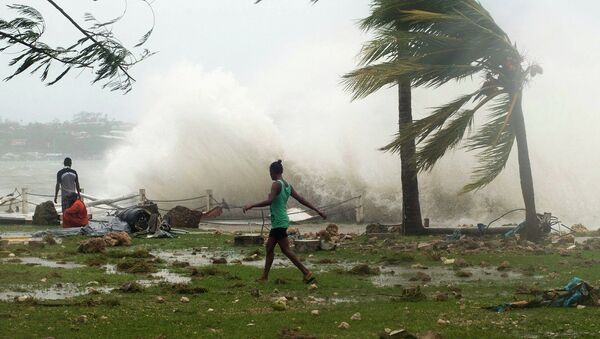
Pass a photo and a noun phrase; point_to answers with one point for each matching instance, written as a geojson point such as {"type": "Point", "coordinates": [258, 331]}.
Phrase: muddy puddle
{"type": "Point", "coordinates": [57, 292]}
{"type": "Point", "coordinates": [205, 258]}
{"type": "Point", "coordinates": [34, 261]}
{"type": "Point", "coordinates": [392, 276]}
{"type": "Point", "coordinates": [164, 276]}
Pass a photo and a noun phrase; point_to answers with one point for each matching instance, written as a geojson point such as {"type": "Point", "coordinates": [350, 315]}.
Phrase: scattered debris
{"type": "Point", "coordinates": [376, 229]}
{"type": "Point", "coordinates": [344, 325]}
{"type": "Point", "coordinates": [447, 261]}
{"type": "Point", "coordinates": [504, 266]}
{"type": "Point", "coordinates": [49, 239]}
{"type": "Point", "coordinates": [45, 214]}
{"type": "Point", "coordinates": [93, 245]}
{"type": "Point", "coordinates": [364, 269]}
{"type": "Point", "coordinates": [576, 292]}
{"type": "Point", "coordinates": [440, 296]}
{"type": "Point", "coordinates": [133, 265]}
{"type": "Point", "coordinates": [412, 294]}
{"type": "Point", "coordinates": [180, 216]}
{"type": "Point", "coordinates": [131, 287]}
{"type": "Point", "coordinates": [287, 333]}
{"type": "Point", "coordinates": [111, 239]}
{"type": "Point", "coordinates": [280, 304]}
{"type": "Point", "coordinates": [420, 276]}
{"type": "Point", "coordinates": [312, 287]}
{"type": "Point", "coordinates": [443, 322]}
{"type": "Point", "coordinates": [219, 261]}
{"type": "Point", "coordinates": [419, 267]}
{"type": "Point", "coordinates": [396, 334]}
{"type": "Point", "coordinates": [463, 274]}
{"type": "Point", "coordinates": [579, 228]}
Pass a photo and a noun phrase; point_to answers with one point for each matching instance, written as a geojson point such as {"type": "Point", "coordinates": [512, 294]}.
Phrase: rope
{"type": "Point", "coordinates": [40, 195]}
{"type": "Point", "coordinates": [179, 200]}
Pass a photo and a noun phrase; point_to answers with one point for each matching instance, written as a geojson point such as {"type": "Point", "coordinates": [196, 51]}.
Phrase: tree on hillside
{"type": "Point", "coordinates": [442, 41]}
{"type": "Point", "coordinates": [97, 49]}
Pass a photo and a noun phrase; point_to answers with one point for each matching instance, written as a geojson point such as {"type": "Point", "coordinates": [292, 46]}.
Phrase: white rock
{"type": "Point", "coordinates": [184, 299]}
{"type": "Point", "coordinates": [314, 312]}
{"type": "Point", "coordinates": [11, 255]}
{"type": "Point", "coordinates": [344, 325]}
{"type": "Point", "coordinates": [443, 322]}
{"type": "Point", "coordinates": [23, 298]}
{"type": "Point", "coordinates": [356, 316]}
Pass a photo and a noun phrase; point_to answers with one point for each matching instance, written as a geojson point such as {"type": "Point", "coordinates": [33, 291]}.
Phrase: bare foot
{"type": "Point", "coordinates": [309, 278]}
{"type": "Point", "coordinates": [262, 280]}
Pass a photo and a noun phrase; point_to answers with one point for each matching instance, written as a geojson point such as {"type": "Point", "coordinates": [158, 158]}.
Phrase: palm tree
{"type": "Point", "coordinates": [385, 22]}
{"type": "Point", "coordinates": [440, 41]}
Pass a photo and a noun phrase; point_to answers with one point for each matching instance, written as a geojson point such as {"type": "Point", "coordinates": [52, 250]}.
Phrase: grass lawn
{"type": "Point", "coordinates": [226, 302]}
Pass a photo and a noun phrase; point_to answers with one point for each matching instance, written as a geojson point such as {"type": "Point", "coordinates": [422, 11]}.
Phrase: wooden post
{"type": "Point", "coordinates": [24, 203]}
{"type": "Point", "coordinates": [208, 199]}
{"type": "Point", "coordinates": [142, 197]}
{"type": "Point", "coordinates": [426, 222]}
{"type": "Point", "coordinates": [360, 214]}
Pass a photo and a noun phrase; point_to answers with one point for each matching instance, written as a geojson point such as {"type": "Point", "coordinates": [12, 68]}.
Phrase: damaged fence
{"type": "Point", "coordinates": [20, 202]}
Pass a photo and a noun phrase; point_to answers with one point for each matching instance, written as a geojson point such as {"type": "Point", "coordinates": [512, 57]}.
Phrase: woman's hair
{"type": "Point", "coordinates": [276, 167]}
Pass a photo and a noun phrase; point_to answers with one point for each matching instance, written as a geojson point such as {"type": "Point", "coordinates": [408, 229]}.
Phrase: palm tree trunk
{"type": "Point", "coordinates": [531, 230]}
{"type": "Point", "coordinates": [411, 208]}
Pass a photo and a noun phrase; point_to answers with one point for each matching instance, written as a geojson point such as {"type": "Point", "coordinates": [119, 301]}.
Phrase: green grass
{"type": "Point", "coordinates": [239, 312]}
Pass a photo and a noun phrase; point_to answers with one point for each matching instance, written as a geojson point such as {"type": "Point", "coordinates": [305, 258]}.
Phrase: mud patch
{"type": "Point", "coordinates": [46, 263]}
{"type": "Point", "coordinates": [400, 276]}
{"type": "Point", "coordinates": [57, 292]}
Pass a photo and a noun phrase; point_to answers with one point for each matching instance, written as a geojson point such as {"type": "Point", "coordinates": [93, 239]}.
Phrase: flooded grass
{"type": "Point", "coordinates": [68, 291]}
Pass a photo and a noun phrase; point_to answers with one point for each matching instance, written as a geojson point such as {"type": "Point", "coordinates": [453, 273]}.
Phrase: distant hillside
{"type": "Point", "coordinates": [86, 136]}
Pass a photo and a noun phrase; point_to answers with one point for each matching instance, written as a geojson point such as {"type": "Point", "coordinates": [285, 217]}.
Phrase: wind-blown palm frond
{"type": "Point", "coordinates": [364, 81]}
{"type": "Point", "coordinates": [495, 139]}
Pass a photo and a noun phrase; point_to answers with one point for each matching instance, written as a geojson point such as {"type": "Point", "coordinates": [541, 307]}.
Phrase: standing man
{"type": "Point", "coordinates": [68, 182]}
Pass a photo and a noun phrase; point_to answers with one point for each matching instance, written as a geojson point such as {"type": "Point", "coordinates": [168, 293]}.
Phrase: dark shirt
{"type": "Point", "coordinates": [67, 179]}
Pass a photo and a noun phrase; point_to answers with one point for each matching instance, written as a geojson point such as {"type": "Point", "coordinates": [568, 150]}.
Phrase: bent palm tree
{"type": "Point", "coordinates": [451, 40]}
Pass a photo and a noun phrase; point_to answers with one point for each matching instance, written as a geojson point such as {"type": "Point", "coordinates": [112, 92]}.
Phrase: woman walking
{"type": "Point", "coordinates": [281, 190]}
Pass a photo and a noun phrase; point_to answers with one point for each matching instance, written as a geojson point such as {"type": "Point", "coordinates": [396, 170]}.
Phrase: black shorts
{"type": "Point", "coordinates": [278, 233]}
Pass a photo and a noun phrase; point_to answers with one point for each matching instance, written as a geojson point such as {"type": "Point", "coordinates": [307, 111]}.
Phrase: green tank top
{"type": "Point", "coordinates": [279, 217]}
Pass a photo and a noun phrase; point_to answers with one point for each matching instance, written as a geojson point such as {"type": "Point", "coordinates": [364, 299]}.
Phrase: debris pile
{"type": "Point", "coordinates": [579, 228]}
{"type": "Point", "coordinates": [576, 293]}
{"type": "Point", "coordinates": [111, 239]}
{"type": "Point", "coordinates": [376, 229]}
{"type": "Point", "coordinates": [181, 216]}
{"type": "Point", "coordinates": [45, 214]}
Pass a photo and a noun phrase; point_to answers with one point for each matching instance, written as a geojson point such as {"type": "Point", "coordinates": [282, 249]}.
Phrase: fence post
{"type": "Point", "coordinates": [208, 199]}
{"type": "Point", "coordinates": [360, 214]}
{"type": "Point", "coordinates": [24, 203]}
{"type": "Point", "coordinates": [142, 197]}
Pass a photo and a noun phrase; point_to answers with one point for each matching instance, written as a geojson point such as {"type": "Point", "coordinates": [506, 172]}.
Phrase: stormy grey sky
{"type": "Point", "coordinates": [246, 39]}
